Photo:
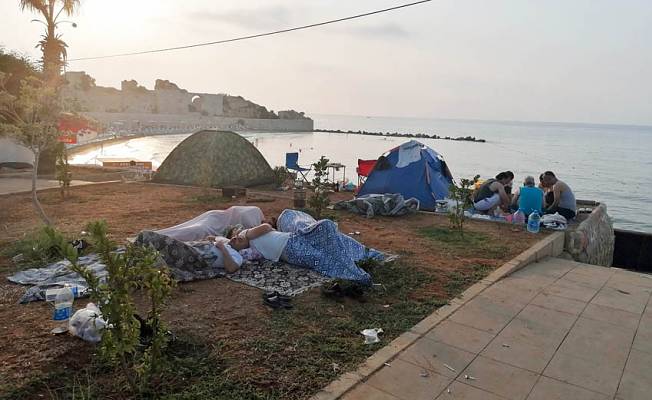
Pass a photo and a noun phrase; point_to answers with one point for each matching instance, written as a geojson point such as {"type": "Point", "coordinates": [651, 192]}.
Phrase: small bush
{"type": "Point", "coordinates": [461, 194]}
{"type": "Point", "coordinates": [135, 268]}
{"type": "Point", "coordinates": [281, 175]}
{"type": "Point", "coordinates": [319, 200]}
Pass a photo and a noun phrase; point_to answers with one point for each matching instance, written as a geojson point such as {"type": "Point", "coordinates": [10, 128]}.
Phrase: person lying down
{"type": "Point", "coordinates": [300, 240]}
{"type": "Point", "coordinates": [316, 245]}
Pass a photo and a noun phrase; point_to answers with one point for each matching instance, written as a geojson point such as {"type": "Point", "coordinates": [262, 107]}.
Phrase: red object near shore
{"type": "Point", "coordinates": [70, 125]}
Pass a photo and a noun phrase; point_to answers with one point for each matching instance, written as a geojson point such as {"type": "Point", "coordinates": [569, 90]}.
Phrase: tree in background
{"type": "Point", "coordinates": [17, 67]}
{"type": "Point", "coordinates": [53, 47]}
{"type": "Point", "coordinates": [31, 119]}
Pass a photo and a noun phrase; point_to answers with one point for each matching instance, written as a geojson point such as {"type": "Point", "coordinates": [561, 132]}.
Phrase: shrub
{"type": "Point", "coordinates": [281, 175]}
{"type": "Point", "coordinates": [63, 173]}
{"type": "Point", "coordinates": [129, 270]}
{"type": "Point", "coordinates": [319, 200]}
{"type": "Point", "coordinates": [461, 194]}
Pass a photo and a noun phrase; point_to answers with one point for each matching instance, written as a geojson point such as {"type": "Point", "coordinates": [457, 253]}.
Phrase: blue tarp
{"type": "Point", "coordinates": [422, 174]}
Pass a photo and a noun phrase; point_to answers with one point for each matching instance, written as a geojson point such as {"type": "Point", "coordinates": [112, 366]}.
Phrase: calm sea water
{"type": "Point", "coordinates": [607, 163]}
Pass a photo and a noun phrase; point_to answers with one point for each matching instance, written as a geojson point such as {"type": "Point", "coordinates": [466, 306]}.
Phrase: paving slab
{"type": "Point", "coordinates": [625, 297]}
{"type": "Point", "coordinates": [588, 277]}
{"type": "Point", "coordinates": [461, 391]}
{"type": "Point", "coordinates": [598, 341]}
{"type": "Point", "coordinates": [499, 378]}
{"type": "Point", "coordinates": [602, 378]}
{"type": "Point", "coordinates": [530, 340]}
{"type": "Point", "coordinates": [620, 318]}
{"type": "Point", "coordinates": [563, 304]}
{"type": "Point", "coordinates": [554, 330]}
{"type": "Point", "coordinates": [552, 389]}
{"type": "Point", "coordinates": [636, 382]}
{"type": "Point", "coordinates": [463, 337]}
{"type": "Point", "coordinates": [516, 291]}
{"type": "Point", "coordinates": [643, 338]}
{"type": "Point", "coordinates": [623, 276]}
{"type": "Point", "coordinates": [486, 313]}
{"type": "Point", "coordinates": [407, 381]}
{"type": "Point", "coordinates": [437, 357]}
{"type": "Point", "coordinates": [552, 267]}
{"type": "Point", "coordinates": [571, 290]}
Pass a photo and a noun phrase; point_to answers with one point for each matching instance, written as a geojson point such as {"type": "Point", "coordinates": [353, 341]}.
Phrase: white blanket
{"type": "Point", "coordinates": [214, 223]}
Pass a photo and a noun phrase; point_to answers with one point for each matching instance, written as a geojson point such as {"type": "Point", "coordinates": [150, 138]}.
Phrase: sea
{"type": "Point", "coordinates": [605, 163]}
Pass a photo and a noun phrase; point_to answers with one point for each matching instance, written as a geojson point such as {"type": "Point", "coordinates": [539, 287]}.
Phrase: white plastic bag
{"type": "Point", "coordinates": [371, 335]}
{"type": "Point", "coordinates": [87, 324]}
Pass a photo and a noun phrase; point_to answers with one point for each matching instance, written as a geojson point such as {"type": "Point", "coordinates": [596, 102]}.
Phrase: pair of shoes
{"type": "Point", "coordinates": [333, 289]}
{"type": "Point", "coordinates": [277, 300]}
{"type": "Point", "coordinates": [343, 289]}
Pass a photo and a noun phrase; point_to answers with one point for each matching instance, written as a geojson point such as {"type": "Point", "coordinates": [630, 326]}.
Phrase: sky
{"type": "Point", "coordinates": [529, 60]}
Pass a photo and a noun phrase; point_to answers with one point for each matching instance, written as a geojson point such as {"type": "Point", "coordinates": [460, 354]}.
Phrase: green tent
{"type": "Point", "coordinates": [217, 159]}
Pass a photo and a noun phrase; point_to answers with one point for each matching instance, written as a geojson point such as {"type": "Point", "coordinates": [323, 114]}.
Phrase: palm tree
{"type": "Point", "coordinates": [51, 44]}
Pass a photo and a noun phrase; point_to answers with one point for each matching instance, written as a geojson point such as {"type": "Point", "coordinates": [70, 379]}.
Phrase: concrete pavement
{"type": "Point", "coordinates": [556, 329]}
{"type": "Point", "coordinates": [11, 185]}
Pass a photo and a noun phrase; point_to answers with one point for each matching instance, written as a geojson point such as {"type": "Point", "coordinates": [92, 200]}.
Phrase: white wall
{"type": "Point", "coordinates": [12, 152]}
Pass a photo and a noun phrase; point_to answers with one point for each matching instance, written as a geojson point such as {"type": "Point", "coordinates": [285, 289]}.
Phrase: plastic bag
{"type": "Point", "coordinates": [87, 324]}
{"type": "Point", "coordinates": [371, 335]}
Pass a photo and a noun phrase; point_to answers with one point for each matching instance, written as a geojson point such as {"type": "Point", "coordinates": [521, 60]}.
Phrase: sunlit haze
{"type": "Point", "coordinates": [584, 61]}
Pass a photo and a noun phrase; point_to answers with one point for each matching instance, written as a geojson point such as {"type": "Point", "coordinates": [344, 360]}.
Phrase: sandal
{"type": "Point", "coordinates": [276, 301]}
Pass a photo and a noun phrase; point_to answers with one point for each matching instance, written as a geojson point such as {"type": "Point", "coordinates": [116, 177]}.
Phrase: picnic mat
{"type": "Point", "coordinates": [269, 276]}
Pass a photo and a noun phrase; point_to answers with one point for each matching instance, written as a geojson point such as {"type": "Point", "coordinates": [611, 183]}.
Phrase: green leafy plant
{"type": "Point", "coordinates": [63, 174]}
{"type": "Point", "coordinates": [461, 194]}
{"type": "Point", "coordinates": [281, 175]}
{"type": "Point", "coordinates": [319, 200]}
{"type": "Point", "coordinates": [135, 268]}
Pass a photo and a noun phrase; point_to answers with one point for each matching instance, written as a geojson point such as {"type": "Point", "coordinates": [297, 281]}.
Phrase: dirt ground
{"type": "Point", "coordinates": [219, 310]}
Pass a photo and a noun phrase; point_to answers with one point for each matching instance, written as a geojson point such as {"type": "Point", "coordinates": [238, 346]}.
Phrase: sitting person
{"type": "Point", "coordinates": [548, 196]}
{"type": "Point", "coordinates": [318, 246]}
{"type": "Point", "coordinates": [491, 193]}
{"type": "Point", "coordinates": [563, 197]}
{"type": "Point", "coordinates": [528, 198]}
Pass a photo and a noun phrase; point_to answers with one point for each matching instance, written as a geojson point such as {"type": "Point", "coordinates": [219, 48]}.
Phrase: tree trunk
{"type": "Point", "coordinates": [37, 204]}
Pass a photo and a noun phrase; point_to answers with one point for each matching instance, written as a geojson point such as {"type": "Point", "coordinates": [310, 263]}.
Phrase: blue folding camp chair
{"type": "Point", "coordinates": [291, 163]}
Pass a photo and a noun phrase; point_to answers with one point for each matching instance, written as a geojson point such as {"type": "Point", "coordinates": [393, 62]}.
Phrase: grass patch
{"type": "Point", "coordinates": [468, 245]}
{"type": "Point", "coordinates": [209, 198]}
{"type": "Point", "coordinates": [309, 346]}
{"type": "Point", "coordinates": [461, 279]}
{"type": "Point", "coordinates": [302, 350]}
{"type": "Point", "coordinates": [35, 249]}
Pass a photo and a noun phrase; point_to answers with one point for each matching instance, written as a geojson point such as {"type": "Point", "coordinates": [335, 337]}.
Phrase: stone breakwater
{"type": "Point", "coordinates": [406, 135]}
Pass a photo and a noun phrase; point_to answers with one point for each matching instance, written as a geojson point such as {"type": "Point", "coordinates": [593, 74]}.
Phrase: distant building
{"type": "Point", "coordinates": [141, 106]}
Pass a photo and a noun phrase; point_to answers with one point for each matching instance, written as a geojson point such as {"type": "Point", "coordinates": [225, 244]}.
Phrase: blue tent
{"type": "Point", "coordinates": [413, 170]}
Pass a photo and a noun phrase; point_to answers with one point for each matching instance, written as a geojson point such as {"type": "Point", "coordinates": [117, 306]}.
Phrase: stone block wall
{"type": "Point", "coordinates": [592, 241]}
{"type": "Point", "coordinates": [137, 122]}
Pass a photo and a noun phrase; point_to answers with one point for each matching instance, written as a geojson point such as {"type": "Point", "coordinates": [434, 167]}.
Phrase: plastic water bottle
{"type": "Point", "coordinates": [533, 222]}
{"type": "Point", "coordinates": [519, 217]}
{"type": "Point", "coordinates": [63, 308]}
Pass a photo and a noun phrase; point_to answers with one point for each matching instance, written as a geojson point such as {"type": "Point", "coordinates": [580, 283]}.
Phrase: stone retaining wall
{"type": "Point", "coordinates": [592, 241]}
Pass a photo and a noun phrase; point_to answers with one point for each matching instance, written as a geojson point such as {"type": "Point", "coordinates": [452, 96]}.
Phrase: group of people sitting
{"type": "Point", "coordinates": [550, 196]}
{"type": "Point", "coordinates": [225, 239]}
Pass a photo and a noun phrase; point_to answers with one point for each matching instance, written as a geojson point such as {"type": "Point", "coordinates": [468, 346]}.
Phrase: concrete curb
{"type": "Point", "coordinates": [550, 246]}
